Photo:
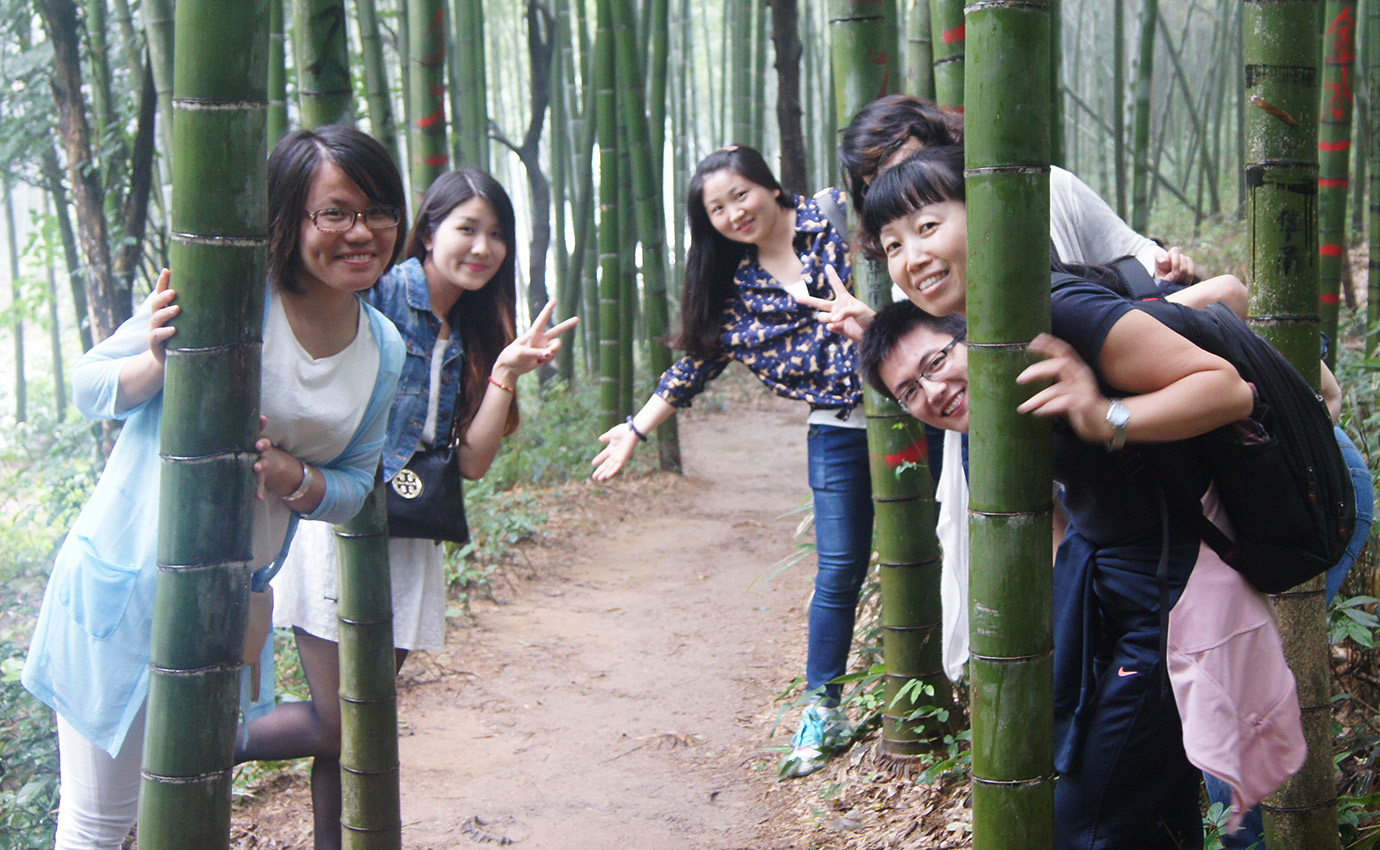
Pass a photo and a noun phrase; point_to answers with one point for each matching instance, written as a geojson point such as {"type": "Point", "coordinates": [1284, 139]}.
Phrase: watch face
{"type": "Point", "coordinates": [1118, 415]}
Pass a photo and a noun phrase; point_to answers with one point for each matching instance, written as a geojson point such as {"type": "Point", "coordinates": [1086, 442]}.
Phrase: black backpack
{"type": "Point", "coordinates": [1280, 474]}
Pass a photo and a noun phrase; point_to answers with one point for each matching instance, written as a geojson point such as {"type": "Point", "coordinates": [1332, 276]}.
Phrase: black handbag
{"type": "Point", "coordinates": [426, 497]}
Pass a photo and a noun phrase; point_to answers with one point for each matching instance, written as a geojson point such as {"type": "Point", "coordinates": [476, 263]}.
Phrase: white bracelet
{"type": "Point", "coordinates": [307, 478]}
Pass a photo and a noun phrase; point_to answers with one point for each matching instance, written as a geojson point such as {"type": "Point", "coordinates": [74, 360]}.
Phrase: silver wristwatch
{"type": "Point", "coordinates": [1118, 417]}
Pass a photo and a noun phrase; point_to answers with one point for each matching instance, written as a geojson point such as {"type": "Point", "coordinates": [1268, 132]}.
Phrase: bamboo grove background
{"type": "Point", "coordinates": [593, 113]}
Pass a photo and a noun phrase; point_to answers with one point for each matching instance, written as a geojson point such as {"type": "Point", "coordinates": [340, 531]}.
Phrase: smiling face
{"type": "Point", "coordinates": [467, 247]}
{"type": "Point", "coordinates": [927, 256]}
{"type": "Point", "coordinates": [740, 209]}
{"type": "Point", "coordinates": [941, 399]}
{"type": "Point", "coordinates": [349, 260]}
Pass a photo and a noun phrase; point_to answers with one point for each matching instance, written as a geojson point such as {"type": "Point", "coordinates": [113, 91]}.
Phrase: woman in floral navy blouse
{"type": "Point", "coordinates": [753, 247]}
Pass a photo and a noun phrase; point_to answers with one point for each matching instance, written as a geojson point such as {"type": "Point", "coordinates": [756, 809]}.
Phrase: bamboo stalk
{"type": "Point", "coordinates": [1281, 53]}
{"type": "Point", "coordinates": [1011, 605]}
{"type": "Point", "coordinates": [209, 424]}
{"type": "Point", "coordinates": [324, 95]}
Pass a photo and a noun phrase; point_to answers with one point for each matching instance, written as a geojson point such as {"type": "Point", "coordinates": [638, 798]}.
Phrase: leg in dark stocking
{"type": "Point", "coordinates": [304, 729]}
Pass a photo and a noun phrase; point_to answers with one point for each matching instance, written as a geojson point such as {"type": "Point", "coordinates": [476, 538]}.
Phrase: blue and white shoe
{"type": "Point", "coordinates": [823, 729]}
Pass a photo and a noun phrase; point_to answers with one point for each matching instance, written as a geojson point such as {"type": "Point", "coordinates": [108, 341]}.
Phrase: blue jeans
{"type": "Point", "coordinates": [1252, 832]}
{"type": "Point", "coordinates": [842, 488]}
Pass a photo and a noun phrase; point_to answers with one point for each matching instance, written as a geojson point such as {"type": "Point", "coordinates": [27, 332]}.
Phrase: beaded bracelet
{"type": "Point", "coordinates": [502, 386]}
{"type": "Point", "coordinates": [641, 436]}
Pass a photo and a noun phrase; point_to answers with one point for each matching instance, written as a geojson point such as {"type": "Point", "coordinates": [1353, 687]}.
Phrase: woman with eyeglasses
{"type": "Point", "coordinates": [753, 248]}
{"type": "Point", "coordinates": [454, 300]}
{"type": "Point", "coordinates": [330, 364]}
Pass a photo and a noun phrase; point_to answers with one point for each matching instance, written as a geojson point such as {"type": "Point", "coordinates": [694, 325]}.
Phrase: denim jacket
{"type": "Point", "coordinates": [402, 296]}
{"type": "Point", "coordinates": [88, 659]}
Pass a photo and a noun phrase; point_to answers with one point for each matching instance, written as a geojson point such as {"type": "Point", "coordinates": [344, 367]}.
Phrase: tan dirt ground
{"type": "Point", "coordinates": [621, 692]}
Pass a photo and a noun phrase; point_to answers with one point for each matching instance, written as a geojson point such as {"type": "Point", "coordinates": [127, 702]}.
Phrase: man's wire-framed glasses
{"type": "Point", "coordinates": [337, 220]}
{"type": "Point", "coordinates": [936, 362]}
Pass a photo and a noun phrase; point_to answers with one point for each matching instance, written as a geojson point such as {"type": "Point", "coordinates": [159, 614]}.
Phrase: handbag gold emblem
{"type": "Point", "coordinates": [407, 484]}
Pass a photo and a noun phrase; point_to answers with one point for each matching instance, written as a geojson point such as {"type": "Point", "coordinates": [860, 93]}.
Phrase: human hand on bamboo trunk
{"type": "Point", "coordinates": [843, 314]}
{"type": "Point", "coordinates": [280, 474]}
{"type": "Point", "coordinates": [141, 378]}
{"type": "Point", "coordinates": [164, 311]}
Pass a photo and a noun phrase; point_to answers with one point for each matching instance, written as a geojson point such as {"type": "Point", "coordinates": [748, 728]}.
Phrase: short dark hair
{"type": "Point", "coordinates": [889, 326]}
{"type": "Point", "coordinates": [291, 168]}
{"type": "Point", "coordinates": [712, 257]}
{"type": "Point", "coordinates": [930, 176]}
{"type": "Point", "coordinates": [882, 127]}
{"type": "Point", "coordinates": [486, 317]}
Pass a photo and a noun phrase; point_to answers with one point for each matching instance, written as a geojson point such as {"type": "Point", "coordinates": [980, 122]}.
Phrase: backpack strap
{"type": "Point", "coordinates": [1139, 283]}
{"type": "Point", "coordinates": [832, 211]}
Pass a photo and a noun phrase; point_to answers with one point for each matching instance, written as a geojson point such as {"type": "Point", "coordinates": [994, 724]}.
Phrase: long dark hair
{"type": "Point", "coordinates": [713, 258]}
{"type": "Point", "coordinates": [882, 127]}
{"type": "Point", "coordinates": [485, 318]}
{"type": "Point", "coordinates": [291, 169]}
{"type": "Point", "coordinates": [931, 176]}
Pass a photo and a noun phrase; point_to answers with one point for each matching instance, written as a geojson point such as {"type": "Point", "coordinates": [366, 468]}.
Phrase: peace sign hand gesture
{"type": "Point", "coordinates": [845, 313]}
{"type": "Point", "coordinates": [533, 347]}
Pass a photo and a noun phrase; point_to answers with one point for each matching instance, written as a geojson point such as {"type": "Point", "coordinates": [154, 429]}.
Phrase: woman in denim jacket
{"type": "Point", "coordinates": [334, 225]}
{"type": "Point", "coordinates": [454, 301]}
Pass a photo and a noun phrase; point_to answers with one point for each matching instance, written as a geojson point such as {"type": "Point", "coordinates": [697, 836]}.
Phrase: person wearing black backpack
{"type": "Point", "coordinates": [1125, 780]}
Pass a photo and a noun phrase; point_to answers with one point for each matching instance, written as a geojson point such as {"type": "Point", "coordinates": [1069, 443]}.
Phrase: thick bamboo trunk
{"type": "Point", "coordinates": [947, 31]}
{"type": "Point", "coordinates": [324, 95]}
{"type": "Point", "coordinates": [908, 550]}
{"type": "Point", "coordinates": [1334, 160]}
{"type": "Point", "coordinates": [919, 64]}
{"type": "Point", "coordinates": [650, 216]}
{"type": "Point", "coordinates": [426, 70]}
{"type": "Point", "coordinates": [378, 92]}
{"type": "Point", "coordinates": [1011, 607]}
{"type": "Point", "coordinates": [1145, 70]}
{"type": "Point", "coordinates": [210, 421]}
{"type": "Point", "coordinates": [472, 122]}
{"type": "Point", "coordinates": [371, 817]}
{"type": "Point", "coordinates": [786, 36]}
{"type": "Point", "coordinates": [277, 73]}
{"type": "Point", "coordinates": [1281, 53]}
{"type": "Point", "coordinates": [1373, 156]}
{"type": "Point", "coordinates": [606, 120]}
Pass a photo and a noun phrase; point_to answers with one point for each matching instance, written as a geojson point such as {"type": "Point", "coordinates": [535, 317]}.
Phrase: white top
{"type": "Point", "coordinates": [438, 359]}
{"type": "Point", "coordinates": [1086, 230]}
{"type": "Point", "coordinates": [312, 407]}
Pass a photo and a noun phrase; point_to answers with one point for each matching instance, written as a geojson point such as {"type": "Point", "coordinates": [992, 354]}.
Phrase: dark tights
{"type": "Point", "coordinates": [309, 729]}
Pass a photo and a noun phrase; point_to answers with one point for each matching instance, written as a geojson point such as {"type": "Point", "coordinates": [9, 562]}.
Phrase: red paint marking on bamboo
{"type": "Point", "coordinates": [1330, 298]}
{"type": "Point", "coordinates": [952, 36]}
{"type": "Point", "coordinates": [1334, 147]}
{"type": "Point", "coordinates": [1333, 182]}
{"type": "Point", "coordinates": [431, 120]}
{"type": "Point", "coordinates": [1330, 250]}
{"type": "Point", "coordinates": [437, 161]}
{"type": "Point", "coordinates": [916, 452]}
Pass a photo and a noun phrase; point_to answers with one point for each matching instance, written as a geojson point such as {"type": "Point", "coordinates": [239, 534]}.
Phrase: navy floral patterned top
{"type": "Point", "coordinates": [783, 343]}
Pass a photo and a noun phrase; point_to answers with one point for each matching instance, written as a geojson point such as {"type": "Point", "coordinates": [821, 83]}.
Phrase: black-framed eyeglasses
{"type": "Point", "coordinates": [928, 370]}
{"type": "Point", "coordinates": [337, 220]}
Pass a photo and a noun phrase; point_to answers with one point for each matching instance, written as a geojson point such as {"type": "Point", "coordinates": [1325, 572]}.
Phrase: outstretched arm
{"type": "Point", "coordinates": [535, 346]}
{"type": "Point", "coordinates": [622, 441]}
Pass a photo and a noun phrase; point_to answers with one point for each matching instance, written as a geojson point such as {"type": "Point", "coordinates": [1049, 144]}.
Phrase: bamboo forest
{"type": "Point", "coordinates": [335, 327]}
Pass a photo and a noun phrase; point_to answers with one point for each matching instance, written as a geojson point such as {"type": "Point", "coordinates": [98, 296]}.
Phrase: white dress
{"type": "Point", "coordinates": [305, 592]}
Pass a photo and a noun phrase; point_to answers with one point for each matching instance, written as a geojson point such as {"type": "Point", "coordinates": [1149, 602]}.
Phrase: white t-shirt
{"type": "Point", "coordinates": [313, 407]}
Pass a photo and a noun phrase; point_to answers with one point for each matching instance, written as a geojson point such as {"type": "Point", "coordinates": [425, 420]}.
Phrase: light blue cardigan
{"type": "Point", "coordinates": [88, 659]}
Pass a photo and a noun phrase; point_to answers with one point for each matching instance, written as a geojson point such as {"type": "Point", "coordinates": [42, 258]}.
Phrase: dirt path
{"type": "Point", "coordinates": [620, 695]}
